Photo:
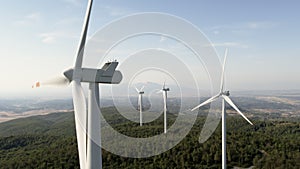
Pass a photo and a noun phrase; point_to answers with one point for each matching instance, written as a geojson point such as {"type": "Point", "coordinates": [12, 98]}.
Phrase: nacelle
{"type": "Point", "coordinates": [107, 74]}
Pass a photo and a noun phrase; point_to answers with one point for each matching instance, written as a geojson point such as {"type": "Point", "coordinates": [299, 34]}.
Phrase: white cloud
{"type": "Point", "coordinates": [216, 32]}
{"type": "Point", "coordinates": [69, 21]}
{"type": "Point", "coordinates": [48, 37]}
{"type": "Point", "coordinates": [52, 37]}
{"type": "Point", "coordinates": [116, 11]}
{"type": "Point", "coordinates": [230, 44]}
{"type": "Point", "coordinates": [244, 26]}
{"type": "Point", "coordinates": [162, 39]}
{"type": "Point", "coordinates": [260, 25]}
{"type": "Point", "coordinates": [29, 19]}
{"type": "Point", "coordinates": [74, 2]}
{"type": "Point", "coordinates": [33, 16]}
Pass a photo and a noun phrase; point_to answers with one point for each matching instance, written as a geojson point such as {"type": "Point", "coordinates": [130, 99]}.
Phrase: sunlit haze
{"type": "Point", "coordinates": [39, 41]}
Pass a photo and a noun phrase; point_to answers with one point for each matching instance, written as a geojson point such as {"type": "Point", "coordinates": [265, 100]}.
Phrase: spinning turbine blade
{"type": "Point", "coordinates": [57, 81]}
{"type": "Point", "coordinates": [36, 85]}
{"type": "Point", "coordinates": [223, 71]}
{"type": "Point", "coordinates": [206, 102]}
{"type": "Point", "coordinates": [229, 101]}
{"type": "Point", "coordinates": [80, 51]}
{"type": "Point", "coordinates": [137, 90]}
{"type": "Point", "coordinates": [80, 120]}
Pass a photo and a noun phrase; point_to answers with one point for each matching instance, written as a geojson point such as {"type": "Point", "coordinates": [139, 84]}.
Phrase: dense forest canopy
{"type": "Point", "coordinates": [50, 142]}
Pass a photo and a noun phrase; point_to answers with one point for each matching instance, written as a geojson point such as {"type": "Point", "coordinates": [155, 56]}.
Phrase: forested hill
{"type": "Point", "coordinates": [53, 124]}
{"type": "Point", "coordinates": [49, 142]}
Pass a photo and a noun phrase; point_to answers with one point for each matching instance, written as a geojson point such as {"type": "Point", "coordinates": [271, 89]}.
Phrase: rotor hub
{"type": "Point", "coordinates": [166, 89]}
{"type": "Point", "coordinates": [226, 93]}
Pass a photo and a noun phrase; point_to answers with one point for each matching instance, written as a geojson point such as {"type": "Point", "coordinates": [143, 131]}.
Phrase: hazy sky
{"type": "Point", "coordinates": [39, 38]}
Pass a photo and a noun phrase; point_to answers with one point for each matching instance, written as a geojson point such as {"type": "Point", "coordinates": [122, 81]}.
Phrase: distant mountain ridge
{"type": "Point", "coordinates": [51, 124]}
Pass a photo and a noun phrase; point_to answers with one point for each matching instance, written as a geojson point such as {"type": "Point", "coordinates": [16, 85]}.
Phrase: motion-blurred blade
{"type": "Point", "coordinates": [160, 91]}
{"type": "Point", "coordinates": [80, 120]}
{"type": "Point", "coordinates": [57, 81]}
{"type": "Point", "coordinates": [229, 101]}
{"type": "Point", "coordinates": [223, 71]}
{"type": "Point", "coordinates": [80, 51]}
{"type": "Point", "coordinates": [36, 85]}
{"type": "Point", "coordinates": [206, 102]}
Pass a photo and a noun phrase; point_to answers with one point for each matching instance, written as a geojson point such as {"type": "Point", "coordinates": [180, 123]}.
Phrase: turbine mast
{"type": "Point", "coordinates": [165, 111]}
{"type": "Point", "coordinates": [94, 154]}
{"type": "Point", "coordinates": [225, 98]}
{"type": "Point", "coordinates": [141, 108]}
{"type": "Point", "coordinates": [223, 135]}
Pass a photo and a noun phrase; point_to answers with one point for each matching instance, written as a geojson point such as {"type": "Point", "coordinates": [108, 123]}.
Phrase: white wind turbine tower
{"type": "Point", "coordinates": [224, 95]}
{"type": "Point", "coordinates": [165, 91]}
{"type": "Point", "coordinates": [88, 122]}
{"type": "Point", "coordinates": [140, 103]}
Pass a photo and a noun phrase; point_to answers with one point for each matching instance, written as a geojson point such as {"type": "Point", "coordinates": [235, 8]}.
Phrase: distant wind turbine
{"type": "Point", "coordinates": [165, 91]}
{"type": "Point", "coordinates": [89, 146]}
{"type": "Point", "coordinates": [140, 103]}
{"type": "Point", "coordinates": [225, 98]}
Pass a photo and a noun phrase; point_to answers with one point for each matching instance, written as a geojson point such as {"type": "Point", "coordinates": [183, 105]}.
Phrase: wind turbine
{"type": "Point", "coordinates": [88, 123]}
{"type": "Point", "coordinates": [165, 91]}
{"type": "Point", "coordinates": [140, 103]}
{"type": "Point", "coordinates": [225, 98]}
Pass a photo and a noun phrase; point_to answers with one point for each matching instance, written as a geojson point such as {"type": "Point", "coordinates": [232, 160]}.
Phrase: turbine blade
{"type": "Point", "coordinates": [81, 45]}
{"type": "Point", "coordinates": [160, 91]}
{"type": "Point", "coordinates": [80, 120]}
{"type": "Point", "coordinates": [223, 71]}
{"type": "Point", "coordinates": [230, 102]}
{"type": "Point", "coordinates": [142, 88]}
{"type": "Point", "coordinates": [206, 102]}
{"type": "Point", "coordinates": [137, 90]}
